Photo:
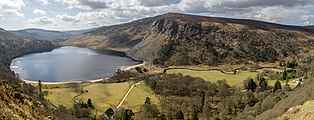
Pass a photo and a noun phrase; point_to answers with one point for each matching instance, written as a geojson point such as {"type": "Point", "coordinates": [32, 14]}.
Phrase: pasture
{"type": "Point", "coordinates": [214, 75]}
{"type": "Point", "coordinates": [103, 96]}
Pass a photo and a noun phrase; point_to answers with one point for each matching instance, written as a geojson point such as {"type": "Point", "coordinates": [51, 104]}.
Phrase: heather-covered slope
{"type": "Point", "coordinates": [15, 105]}
{"type": "Point", "coordinates": [171, 39]}
{"type": "Point", "coordinates": [293, 99]}
{"type": "Point", "coordinates": [118, 37]}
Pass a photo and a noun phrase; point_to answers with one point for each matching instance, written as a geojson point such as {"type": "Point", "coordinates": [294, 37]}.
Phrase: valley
{"type": "Point", "coordinates": [170, 66]}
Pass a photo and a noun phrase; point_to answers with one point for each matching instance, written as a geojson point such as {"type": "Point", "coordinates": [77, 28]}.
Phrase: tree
{"type": "Point", "coordinates": [123, 114]}
{"type": "Point", "coordinates": [118, 71]}
{"type": "Point", "coordinates": [277, 86]}
{"type": "Point", "coordinates": [89, 103]}
{"type": "Point", "coordinates": [128, 114]}
{"type": "Point", "coordinates": [263, 84]}
{"type": "Point", "coordinates": [76, 107]}
{"type": "Point", "coordinates": [84, 105]}
{"type": "Point", "coordinates": [147, 101]}
{"type": "Point", "coordinates": [223, 88]}
{"type": "Point", "coordinates": [40, 85]}
{"type": "Point", "coordinates": [212, 91]}
{"type": "Point", "coordinates": [139, 70]}
{"type": "Point", "coordinates": [80, 109]}
{"type": "Point", "coordinates": [149, 110]}
{"type": "Point", "coordinates": [285, 75]}
{"type": "Point", "coordinates": [109, 112]}
{"type": "Point", "coordinates": [252, 85]}
{"type": "Point", "coordinates": [292, 64]}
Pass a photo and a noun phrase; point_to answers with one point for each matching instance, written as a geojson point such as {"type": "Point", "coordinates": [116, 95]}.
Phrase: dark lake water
{"type": "Point", "coordinates": [70, 64]}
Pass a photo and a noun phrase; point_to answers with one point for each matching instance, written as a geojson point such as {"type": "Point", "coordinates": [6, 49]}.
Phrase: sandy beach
{"type": "Point", "coordinates": [91, 81]}
{"type": "Point", "coordinates": [133, 66]}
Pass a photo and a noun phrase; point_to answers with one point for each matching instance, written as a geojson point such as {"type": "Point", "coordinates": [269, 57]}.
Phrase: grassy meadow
{"type": "Point", "coordinates": [214, 75]}
{"type": "Point", "coordinates": [103, 96]}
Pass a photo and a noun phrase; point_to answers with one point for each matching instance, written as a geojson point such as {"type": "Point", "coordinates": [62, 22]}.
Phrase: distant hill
{"type": "Point", "coordinates": [311, 27]}
{"type": "Point", "coordinates": [78, 32]}
{"type": "Point", "coordinates": [181, 39]}
{"type": "Point", "coordinates": [8, 35]}
{"type": "Point", "coordinates": [50, 35]}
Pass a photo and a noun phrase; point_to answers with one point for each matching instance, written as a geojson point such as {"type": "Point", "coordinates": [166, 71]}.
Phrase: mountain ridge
{"type": "Point", "coordinates": [163, 39]}
{"type": "Point", "coordinates": [50, 35]}
{"type": "Point", "coordinates": [8, 35]}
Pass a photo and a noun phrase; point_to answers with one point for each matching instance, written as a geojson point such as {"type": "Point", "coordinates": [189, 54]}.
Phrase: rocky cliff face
{"type": "Point", "coordinates": [179, 39]}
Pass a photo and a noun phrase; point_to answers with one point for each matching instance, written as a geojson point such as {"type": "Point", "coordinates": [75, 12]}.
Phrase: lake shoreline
{"type": "Point", "coordinates": [87, 81]}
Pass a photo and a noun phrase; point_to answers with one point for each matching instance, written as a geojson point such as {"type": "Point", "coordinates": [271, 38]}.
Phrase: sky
{"type": "Point", "coordinates": [83, 14]}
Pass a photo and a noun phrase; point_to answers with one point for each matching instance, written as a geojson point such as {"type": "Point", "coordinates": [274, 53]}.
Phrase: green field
{"type": "Point", "coordinates": [214, 75]}
{"type": "Point", "coordinates": [103, 95]}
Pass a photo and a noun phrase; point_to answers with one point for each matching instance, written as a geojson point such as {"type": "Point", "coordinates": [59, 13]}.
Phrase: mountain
{"type": "Point", "coordinates": [170, 39]}
{"type": "Point", "coordinates": [8, 35]}
{"type": "Point", "coordinates": [78, 32]}
{"type": "Point", "coordinates": [50, 35]}
{"type": "Point", "coordinates": [311, 27]}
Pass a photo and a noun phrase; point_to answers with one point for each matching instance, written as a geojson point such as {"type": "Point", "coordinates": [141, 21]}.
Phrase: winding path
{"type": "Point", "coordinates": [130, 89]}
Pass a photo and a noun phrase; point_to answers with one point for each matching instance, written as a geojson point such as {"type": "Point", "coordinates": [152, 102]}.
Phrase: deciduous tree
{"type": "Point", "coordinates": [252, 85]}
{"type": "Point", "coordinates": [263, 84]}
{"type": "Point", "coordinates": [277, 86]}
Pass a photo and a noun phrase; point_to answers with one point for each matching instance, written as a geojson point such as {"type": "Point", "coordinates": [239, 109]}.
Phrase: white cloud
{"type": "Point", "coordinates": [275, 13]}
{"type": "Point", "coordinates": [155, 2]}
{"type": "Point", "coordinates": [44, 2]}
{"type": "Point", "coordinates": [39, 12]}
{"type": "Point", "coordinates": [41, 21]}
{"type": "Point", "coordinates": [103, 4]}
{"type": "Point", "coordinates": [11, 7]}
{"type": "Point", "coordinates": [84, 4]}
{"type": "Point", "coordinates": [108, 12]}
{"type": "Point", "coordinates": [306, 19]}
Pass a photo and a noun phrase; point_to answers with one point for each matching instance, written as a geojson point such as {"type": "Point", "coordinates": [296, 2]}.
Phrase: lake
{"type": "Point", "coordinates": [69, 63]}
